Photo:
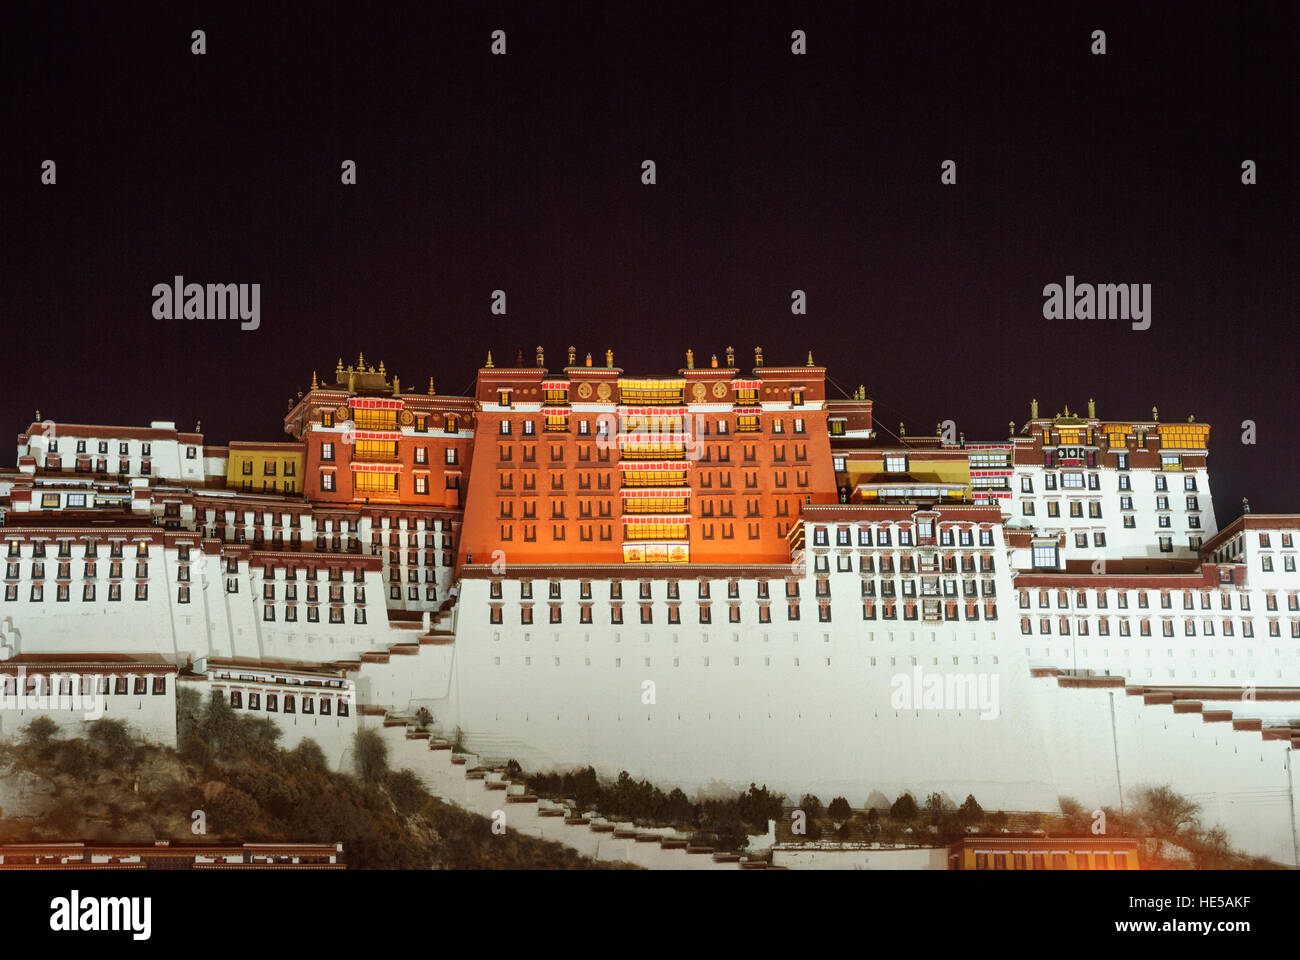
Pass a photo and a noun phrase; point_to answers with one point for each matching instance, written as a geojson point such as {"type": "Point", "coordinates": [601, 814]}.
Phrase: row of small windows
{"type": "Point", "coordinates": [883, 536]}
{"type": "Point", "coordinates": [336, 614]}
{"type": "Point", "coordinates": [1059, 861]}
{"type": "Point", "coordinates": [559, 423]}
{"type": "Point", "coordinates": [123, 448]}
{"type": "Point", "coordinates": [323, 705]}
{"type": "Point", "coordinates": [85, 685]}
{"type": "Point", "coordinates": [1143, 600]}
{"type": "Point", "coordinates": [1144, 627]}
{"type": "Point", "coordinates": [929, 610]}
{"type": "Point", "coordinates": [90, 548]}
{"type": "Point", "coordinates": [1092, 481]}
{"type": "Point", "coordinates": [63, 592]}
{"type": "Point", "coordinates": [269, 468]}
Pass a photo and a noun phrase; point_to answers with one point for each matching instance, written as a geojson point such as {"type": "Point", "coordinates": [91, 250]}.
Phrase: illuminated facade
{"type": "Point", "coordinates": [709, 573]}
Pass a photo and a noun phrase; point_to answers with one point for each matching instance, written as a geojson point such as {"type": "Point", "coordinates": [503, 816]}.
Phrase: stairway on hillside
{"type": "Point", "coordinates": [461, 779]}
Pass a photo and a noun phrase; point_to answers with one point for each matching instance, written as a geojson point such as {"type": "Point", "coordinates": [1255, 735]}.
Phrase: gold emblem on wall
{"type": "Point", "coordinates": [407, 418]}
{"type": "Point", "coordinates": [719, 389]}
{"type": "Point", "coordinates": [584, 390]}
{"type": "Point", "coordinates": [698, 391]}
{"type": "Point", "coordinates": [341, 413]}
{"type": "Point", "coordinates": [603, 391]}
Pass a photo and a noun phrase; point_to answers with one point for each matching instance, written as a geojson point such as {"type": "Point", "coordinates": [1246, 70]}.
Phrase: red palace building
{"type": "Point", "coordinates": [587, 464]}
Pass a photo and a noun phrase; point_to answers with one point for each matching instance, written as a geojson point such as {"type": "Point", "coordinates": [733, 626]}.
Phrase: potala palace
{"type": "Point", "coordinates": [719, 575]}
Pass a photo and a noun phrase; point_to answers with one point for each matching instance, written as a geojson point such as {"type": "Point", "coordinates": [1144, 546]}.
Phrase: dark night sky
{"type": "Point", "coordinates": [775, 172]}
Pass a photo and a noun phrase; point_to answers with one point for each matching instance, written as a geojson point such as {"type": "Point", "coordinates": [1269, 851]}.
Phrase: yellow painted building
{"type": "Point", "coordinates": [907, 472]}
{"type": "Point", "coordinates": [1044, 853]}
{"type": "Point", "coordinates": [253, 467]}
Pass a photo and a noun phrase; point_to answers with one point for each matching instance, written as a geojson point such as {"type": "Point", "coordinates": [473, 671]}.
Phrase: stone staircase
{"type": "Point", "coordinates": [1206, 701]}
{"type": "Point", "coordinates": [461, 779]}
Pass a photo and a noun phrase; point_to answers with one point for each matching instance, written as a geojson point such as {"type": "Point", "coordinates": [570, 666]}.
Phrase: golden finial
{"type": "Point", "coordinates": [609, 358]}
{"type": "Point", "coordinates": [731, 356]}
{"type": "Point", "coordinates": [339, 369]}
{"type": "Point", "coordinates": [314, 384]}
{"type": "Point", "coordinates": [1155, 415]}
{"type": "Point", "coordinates": [397, 386]}
{"type": "Point", "coordinates": [489, 359]}
{"type": "Point", "coordinates": [1092, 409]}
{"type": "Point", "coordinates": [541, 358]}
{"type": "Point", "coordinates": [352, 380]}
{"type": "Point", "coordinates": [1033, 409]}
{"type": "Point", "coordinates": [588, 359]}
{"type": "Point", "coordinates": [573, 355]}
{"type": "Point", "coordinates": [758, 356]}
{"type": "Point", "coordinates": [690, 359]}
{"type": "Point", "coordinates": [381, 366]}
{"type": "Point", "coordinates": [361, 362]}
{"type": "Point", "coordinates": [1012, 425]}
{"type": "Point", "coordinates": [431, 386]}
{"type": "Point", "coordinates": [715, 360]}
{"type": "Point", "coordinates": [810, 359]}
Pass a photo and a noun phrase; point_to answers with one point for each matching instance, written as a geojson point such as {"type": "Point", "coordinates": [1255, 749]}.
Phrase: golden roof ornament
{"type": "Point", "coordinates": [397, 386]}
{"type": "Point", "coordinates": [1033, 409]}
{"type": "Point", "coordinates": [690, 359]}
{"type": "Point", "coordinates": [1155, 414]}
{"type": "Point", "coordinates": [381, 366]}
{"type": "Point", "coordinates": [573, 355]}
{"type": "Point", "coordinates": [1092, 409]}
{"type": "Point", "coordinates": [609, 358]}
{"type": "Point", "coordinates": [489, 359]}
{"type": "Point", "coordinates": [731, 356]}
{"type": "Point", "coordinates": [339, 369]}
{"type": "Point", "coordinates": [810, 359]}
{"type": "Point", "coordinates": [758, 356]}
{"type": "Point", "coordinates": [714, 361]}
{"type": "Point", "coordinates": [541, 358]}
{"type": "Point", "coordinates": [314, 384]}
{"type": "Point", "coordinates": [588, 359]}
{"type": "Point", "coordinates": [361, 362]}
{"type": "Point", "coordinates": [431, 386]}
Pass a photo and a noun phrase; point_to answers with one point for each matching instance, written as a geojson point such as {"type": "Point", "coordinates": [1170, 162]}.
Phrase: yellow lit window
{"type": "Point", "coordinates": [375, 419]}
{"type": "Point", "coordinates": [656, 531]}
{"type": "Point", "coordinates": [376, 450]}
{"type": "Point", "coordinates": [374, 482]}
